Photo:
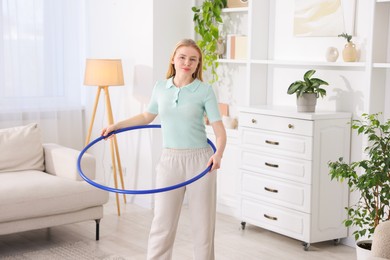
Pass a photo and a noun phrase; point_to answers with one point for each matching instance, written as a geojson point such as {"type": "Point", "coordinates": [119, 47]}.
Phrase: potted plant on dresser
{"type": "Point", "coordinates": [370, 177]}
{"type": "Point", "coordinates": [307, 91]}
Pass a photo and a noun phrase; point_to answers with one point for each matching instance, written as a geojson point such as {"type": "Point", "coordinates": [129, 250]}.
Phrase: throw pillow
{"type": "Point", "coordinates": [21, 149]}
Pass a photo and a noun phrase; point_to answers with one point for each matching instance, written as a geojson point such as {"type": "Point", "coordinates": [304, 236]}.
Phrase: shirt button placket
{"type": "Point", "coordinates": [177, 97]}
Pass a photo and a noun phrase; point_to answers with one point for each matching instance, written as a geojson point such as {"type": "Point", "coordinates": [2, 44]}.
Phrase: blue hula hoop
{"type": "Point", "coordinates": [123, 191]}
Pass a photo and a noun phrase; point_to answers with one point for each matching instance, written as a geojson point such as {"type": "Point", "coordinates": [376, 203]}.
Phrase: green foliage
{"type": "Point", "coordinates": [308, 85]}
{"type": "Point", "coordinates": [206, 19]}
{"type": "Point", "coordinates": [346, 36]}
{"type": "Point", "coordinates": [373, 183]}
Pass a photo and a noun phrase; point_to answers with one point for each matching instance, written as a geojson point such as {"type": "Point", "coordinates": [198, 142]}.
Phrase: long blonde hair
{"type": "Point", "coordinates": [188, 43]}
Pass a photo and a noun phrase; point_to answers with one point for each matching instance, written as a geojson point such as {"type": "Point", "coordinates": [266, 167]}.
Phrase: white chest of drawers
{"type": "Point", "coordinates": [285, 185]}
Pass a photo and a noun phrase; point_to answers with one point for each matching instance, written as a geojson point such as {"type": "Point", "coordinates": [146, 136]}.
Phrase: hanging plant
{"type": "Point", "coordinates": [207, 16]}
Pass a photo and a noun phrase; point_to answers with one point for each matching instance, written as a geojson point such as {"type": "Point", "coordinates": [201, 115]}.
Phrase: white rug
{"type": "Point", "coordinates": [71, 251]}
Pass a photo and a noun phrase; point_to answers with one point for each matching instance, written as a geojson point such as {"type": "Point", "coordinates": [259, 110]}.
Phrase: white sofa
{"type": "Point", "coordinates": [40, 186]}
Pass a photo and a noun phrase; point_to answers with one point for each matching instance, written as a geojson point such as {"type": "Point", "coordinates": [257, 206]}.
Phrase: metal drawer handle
{"type": "Point", "coordinates": [271, 190]}
{"type": "Point", "coordinates": [271, 165]}
{"type": "Point", "coordinates": [254, 121]}
{"type": "Point", "coordinates": [270, 217]}
{"type": "Point", "coordinates": [271, 142]}
{"type": "Point", "coordinates": [291, 126]}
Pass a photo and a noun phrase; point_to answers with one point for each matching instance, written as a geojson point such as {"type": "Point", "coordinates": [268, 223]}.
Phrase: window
{"type": "Point", "coordinates": [40, 53]}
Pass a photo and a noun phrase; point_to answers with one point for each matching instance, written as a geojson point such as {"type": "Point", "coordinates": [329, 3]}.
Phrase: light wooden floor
{"type": "Point", "coordinates": [127, 236]}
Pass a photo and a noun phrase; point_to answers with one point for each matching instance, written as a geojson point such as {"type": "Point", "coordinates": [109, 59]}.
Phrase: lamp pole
{"type": "Point", "coordinates": [96, 73]}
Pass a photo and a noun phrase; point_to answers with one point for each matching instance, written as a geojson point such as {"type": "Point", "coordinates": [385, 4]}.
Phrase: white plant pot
{"type": "Point", "coordinates": [362, 253]}
{"type": "Point", "coordinates": [307, 102]}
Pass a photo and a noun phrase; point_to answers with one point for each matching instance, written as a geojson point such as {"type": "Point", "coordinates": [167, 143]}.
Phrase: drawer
{"type": "Point", "coordinates": [267, 164]}
{"type": "Point", "coordinates": [295, 146]}
{"type": "Point", "coordinates": [284, 221]}
{"type": "Point", "coordinates": [277, 124]}
{"type": "Point", "coordinates": [284, 193]}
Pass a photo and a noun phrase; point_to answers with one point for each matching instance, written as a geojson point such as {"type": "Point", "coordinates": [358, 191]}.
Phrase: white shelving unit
{"type": "Point", "coordinates": [258, 77]}
{"type": "Point", "coordinates": [380, 58]}
{"type": "Point", "coordinates": [263, 78]}
{"type": "Point", "coordinates": [235, 10]}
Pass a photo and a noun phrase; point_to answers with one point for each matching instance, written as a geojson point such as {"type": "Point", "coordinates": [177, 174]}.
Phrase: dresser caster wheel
{"type": "Point", "coordinates": [336, 242]}
{"type": "Point", "coordinates": [243, 224]}
{"type": "Point", "coordinates": [305, 246]}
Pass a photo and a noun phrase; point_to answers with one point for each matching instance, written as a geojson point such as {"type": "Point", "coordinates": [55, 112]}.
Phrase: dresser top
{"type": "Point", "coordinates": [290, 111]}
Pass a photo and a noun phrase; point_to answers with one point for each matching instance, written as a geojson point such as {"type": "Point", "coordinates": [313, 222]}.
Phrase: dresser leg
{"type": "Point", "coordinates": [243, 224]}
{"type": "Point", "coordinates": [306, 246]}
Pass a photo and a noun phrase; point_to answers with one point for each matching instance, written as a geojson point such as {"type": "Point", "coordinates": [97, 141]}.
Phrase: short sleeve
{"type": "Point", "coordinates": [211, 106]}
{"type": "Point", "coordinates": [153, 104]}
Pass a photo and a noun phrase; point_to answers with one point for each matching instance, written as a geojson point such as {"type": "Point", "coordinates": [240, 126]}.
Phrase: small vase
{"type": "Point", "coordinates": [331, 54]}
{"type": "Point", "coordinates": [220, 47]}
{"type": "Point", "coordinates": [349, 52]}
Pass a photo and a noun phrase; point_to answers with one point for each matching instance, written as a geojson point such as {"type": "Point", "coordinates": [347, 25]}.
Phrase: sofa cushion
{"type": "Point", "coordinates": [29, 194]}
{"type": "Point", "coordinates": [21, 148]}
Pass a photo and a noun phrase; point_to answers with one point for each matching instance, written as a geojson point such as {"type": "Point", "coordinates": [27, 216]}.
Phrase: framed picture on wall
{"type": "Point", "coordinates": [324, 17]}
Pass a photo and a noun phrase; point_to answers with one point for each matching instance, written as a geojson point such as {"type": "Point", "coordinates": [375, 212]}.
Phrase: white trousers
{"type": "Point", "coordinates": [176, 166]}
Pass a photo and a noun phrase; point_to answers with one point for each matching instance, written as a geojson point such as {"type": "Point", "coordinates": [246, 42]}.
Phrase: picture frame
{"type": "Point", "coordinates": [324, 18]}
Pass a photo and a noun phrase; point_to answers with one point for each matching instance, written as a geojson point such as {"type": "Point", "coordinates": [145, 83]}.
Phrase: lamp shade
{"type": "Point", "coordinates": [103, 72]}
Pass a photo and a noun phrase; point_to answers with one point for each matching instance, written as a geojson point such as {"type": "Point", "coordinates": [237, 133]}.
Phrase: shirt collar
{"type": "Point", "coordinates": [193, 86]}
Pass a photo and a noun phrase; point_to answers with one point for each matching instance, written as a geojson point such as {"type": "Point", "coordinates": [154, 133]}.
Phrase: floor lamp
{"type": "Point", "coordinates": [104, 73]}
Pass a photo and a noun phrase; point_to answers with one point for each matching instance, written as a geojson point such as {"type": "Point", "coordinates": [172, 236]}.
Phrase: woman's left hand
{"type": "Point", "coordinates": [216, 161]}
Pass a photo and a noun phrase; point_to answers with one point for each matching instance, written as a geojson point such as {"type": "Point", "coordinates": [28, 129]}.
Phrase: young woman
{"type": "Point", "coordinates": [181, 101]}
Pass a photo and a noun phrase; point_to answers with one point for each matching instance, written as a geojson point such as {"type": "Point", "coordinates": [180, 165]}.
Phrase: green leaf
{"type": "Point", "coordinates": [308, 74]}
{"type": "Point", "coordinates": [195, 9]}
{"type": "Point", "coordinates": [348, 223]}
{"type": "Point", "coordinates": [319, 81]}
{"type": "Point", "coordinates": [294, 87]}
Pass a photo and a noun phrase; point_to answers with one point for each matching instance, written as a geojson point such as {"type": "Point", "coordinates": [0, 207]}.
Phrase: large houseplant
{"type": "Point", "coordinates": [307, 91]}
{"type": "Point", "coordinates": [370, 177]}
{"type": "Point", "coordinates": [207, 18]}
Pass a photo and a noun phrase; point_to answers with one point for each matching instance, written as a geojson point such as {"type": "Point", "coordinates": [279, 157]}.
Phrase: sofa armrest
{"type": "Point", "coordinates": [62, 161]}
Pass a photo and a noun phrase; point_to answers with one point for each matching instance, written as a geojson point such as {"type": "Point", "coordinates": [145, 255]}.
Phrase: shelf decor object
{"type": "Point", "coordinates": [104, 73]}
{"type": "Point", "coordinates": [349, 51]}
{"type": "Point", "coordinates": [221, 49]}
{"type": "Point", "coordinates": [236, 47]}
{"type": "Point", "coordinates": [331, 54]}
{"type": "Point", "coordinates": [237, 3]}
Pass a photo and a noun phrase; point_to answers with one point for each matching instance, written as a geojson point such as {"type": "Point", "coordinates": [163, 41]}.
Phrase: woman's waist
{"type": "Point", "coordinates": [186, 151]}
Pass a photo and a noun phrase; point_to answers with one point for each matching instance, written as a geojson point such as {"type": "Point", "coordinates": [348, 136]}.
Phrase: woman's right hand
{"type": "Point", "coordinates": [107, 130]}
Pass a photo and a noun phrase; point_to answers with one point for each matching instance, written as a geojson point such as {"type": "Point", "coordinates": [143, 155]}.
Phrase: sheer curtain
{"type": "Point", "coordinates": [41, 67]}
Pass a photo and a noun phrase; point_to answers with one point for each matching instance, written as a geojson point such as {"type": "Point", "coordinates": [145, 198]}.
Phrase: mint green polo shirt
{"type": "Point", "coordinates": [181, 111]}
